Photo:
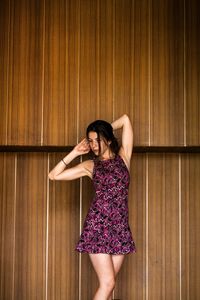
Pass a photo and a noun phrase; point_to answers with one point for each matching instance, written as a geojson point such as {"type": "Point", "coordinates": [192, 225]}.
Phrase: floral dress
{"type": "Point", "coordinates": [106, 228]}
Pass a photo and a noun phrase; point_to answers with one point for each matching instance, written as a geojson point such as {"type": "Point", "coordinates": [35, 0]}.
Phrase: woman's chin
{"type": "Point", "coordinates": [96, 152]}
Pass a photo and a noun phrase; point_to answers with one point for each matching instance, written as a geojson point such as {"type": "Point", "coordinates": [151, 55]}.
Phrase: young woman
{"type": "Point", "coordinates": [106, 234]}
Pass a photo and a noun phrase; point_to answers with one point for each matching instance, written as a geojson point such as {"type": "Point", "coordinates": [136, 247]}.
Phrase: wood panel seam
{"type": "Point", "coordinates": [113, 61]}
{"type": "Point", "coordinates": [42, 95]}
{"type": "Point", "coordinates": [80, 229]}
{"type": "Point", "coordinates": [98, 57]}
{"type": "Point", "coordinates": [47, 233]}
{"type": "Point", "coordinates": [14, 223]}
{"type": "Point", "coordinates": [7, 75]}
{"type": "Point", "coordinates": [180, 231]}
{"type": "Point", "coordinates": [78, 75]}
{"type": "Point", "coordinates": [147, 207]}
{"type": "Point", "coordinates": [184, 78]}
{"type": "Point", "coordinates": [150, 70]}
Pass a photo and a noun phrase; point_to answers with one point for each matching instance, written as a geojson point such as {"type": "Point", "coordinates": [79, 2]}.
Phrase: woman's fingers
{"type": "Point", "coordinates": [83, 146]}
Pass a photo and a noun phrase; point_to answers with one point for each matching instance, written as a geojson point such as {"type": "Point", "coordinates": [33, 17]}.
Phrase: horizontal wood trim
{"type": "Point", "coordinates": [136, 149]}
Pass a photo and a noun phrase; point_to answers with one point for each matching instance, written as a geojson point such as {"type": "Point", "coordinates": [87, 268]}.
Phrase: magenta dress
{"type": "Point", "coordinates": [106, 228]}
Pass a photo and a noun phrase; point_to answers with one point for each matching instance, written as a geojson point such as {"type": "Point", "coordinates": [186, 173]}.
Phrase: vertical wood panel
{"type": "Point", "coordinates": [156, 260]}
{"type": "Point", "coordinates": [190, 226]}
{"type": "Point", "coordinates": [131, 279]}
{"type": "Point", "coordinates": [7, 222]}
{"type": "Point", "coordinates": [172, 230]}
{"type": "Point", "coordinates": [98, 59]}
{"type": "Point", "coordinates": [60, 72]}
{"type": "Point", "coordinates": [30, 228]}
{"type": "Point", "coordinates": [167, 106]}
{"type": "Point", "coordinates": [140, 58]}
{"type": "Point", "coordinates": [72, 100]}
{"type": "Point", "coordinates": [88, 105]}
{"type": "Point", "coordinates": [105, 39]}
{"type": "Point", "coordinates": [192, 71]}
{"type": "Point", "coordinates": [4, 63]}
{"type": "Point", "coordinates": [64, 64]}
{"type": "Point", "coordinates": [25, 72]}
{"type": "Point", "coordinates": [163, 227]}
{"type": "Point", "coordinates": [55, 73]}
{"type": "Point", "coordinates": [122, 56]}
{"type": "Point", "coordinates": [63, 264]}
{"type": "Point", "coordinates": [23, 250]}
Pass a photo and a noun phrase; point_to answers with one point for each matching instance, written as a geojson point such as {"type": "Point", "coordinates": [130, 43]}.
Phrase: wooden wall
{"type": "Point", "coordinates": [66, 63]}
{"type": "Point", "coordinates": [62, 65]}
{"type": "Point", "coordinates": [40, 224]}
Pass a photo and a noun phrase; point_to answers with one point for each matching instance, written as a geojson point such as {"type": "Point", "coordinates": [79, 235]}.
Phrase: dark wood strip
{"type": "Point", "coordinates": [136, 149]}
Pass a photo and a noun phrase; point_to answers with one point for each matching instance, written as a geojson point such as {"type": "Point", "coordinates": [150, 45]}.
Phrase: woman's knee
{"type": "Point", "coordinates": [108, 283]}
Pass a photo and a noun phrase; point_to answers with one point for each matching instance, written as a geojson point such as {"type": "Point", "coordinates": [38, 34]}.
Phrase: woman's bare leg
{"type": "Point", "coordinates": [104, 268]}
{"type": "Point", "coordinates": [107, 267]}
{"type": "Point", "coordinates": [117, 260]}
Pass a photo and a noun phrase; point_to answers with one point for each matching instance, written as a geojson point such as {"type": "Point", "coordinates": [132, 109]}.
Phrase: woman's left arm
{"type": "Point", "coordinates": [127, 135]}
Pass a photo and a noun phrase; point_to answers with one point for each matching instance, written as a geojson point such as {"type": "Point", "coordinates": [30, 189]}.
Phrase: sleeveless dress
{"type": "Point", "coordinates": [106, 228]}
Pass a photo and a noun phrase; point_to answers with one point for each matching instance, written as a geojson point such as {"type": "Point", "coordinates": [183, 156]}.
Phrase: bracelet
{"type": "Point", "coordinates": [64, 162]}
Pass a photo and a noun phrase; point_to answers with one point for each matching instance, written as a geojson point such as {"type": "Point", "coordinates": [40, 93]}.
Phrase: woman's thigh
{"type": "Point", "coordinates": [103, 265]}
{"type": "Point", "coordinates": [117, 261]}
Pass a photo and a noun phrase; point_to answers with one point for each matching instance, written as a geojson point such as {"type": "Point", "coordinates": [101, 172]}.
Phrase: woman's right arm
{"type": "Point", "coordinates": [59, 172]}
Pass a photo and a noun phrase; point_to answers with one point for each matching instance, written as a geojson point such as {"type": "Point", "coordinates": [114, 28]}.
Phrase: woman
{"type": "Point", "coordinates": [106, 235]}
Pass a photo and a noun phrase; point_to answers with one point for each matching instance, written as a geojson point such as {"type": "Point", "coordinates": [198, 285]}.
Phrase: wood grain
{"type": "Point", "coordinates": [163, 227]}
{"type": "Point", "coordinates": [60, 73]}
{"type": "Point", "coordinates": [105, 59]}
{"type": "Point", "coordinates": [88, 103]}
{"type": "Point", "coordinates": [66, 63]}
{"type": "Point", "coordinates": [40, 227]}
{"type": "Point", "coordinates": [192, 72]}
{"type": "Point", "coordinates": [63, 232]}
{"type": "Point", "coordinates": [24, 120]}
{"type": "Point", "coordinates": [4, 67]}
{"type": "Point", "coordinates": [7, 224]}
{"type": "Point", "coordinates": [122, 59]}
{"type": "Point", "coordinates": [30, 227]}
{"type": "Point", "coordinates": [141, 40]}
{"type": "Point", "coordinates": [167, 105]}
{"type": "Point", "coordinates": [190, 237]}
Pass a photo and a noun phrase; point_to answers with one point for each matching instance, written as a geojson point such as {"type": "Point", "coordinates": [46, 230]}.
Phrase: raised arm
{"type": "Point", "coordinates": [60, 172]}
{"type": "Point", "coordinates": [127, 136]}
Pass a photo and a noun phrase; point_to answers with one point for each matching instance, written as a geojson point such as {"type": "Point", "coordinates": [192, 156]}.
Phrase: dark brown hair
{"type": "Point", "coordinates": [104, 130]}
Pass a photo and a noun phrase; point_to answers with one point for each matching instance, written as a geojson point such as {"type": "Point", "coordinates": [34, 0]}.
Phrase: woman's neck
{"type": "Point", "coordinates": [107, 155]}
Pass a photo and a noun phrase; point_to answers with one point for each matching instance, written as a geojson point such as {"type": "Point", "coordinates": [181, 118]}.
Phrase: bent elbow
{"type": "Point", "coordinates": [51, 177]}
{"type": "Point", "coordinates": [126, 117]}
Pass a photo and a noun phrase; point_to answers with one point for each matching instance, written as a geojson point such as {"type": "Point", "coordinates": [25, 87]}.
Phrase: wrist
{"type": "Point", "coordinates": [75, 153]}
{"type": "Point", "coordinates": [64, 161]}
{"type": "Point", "coordinates": [69, 157]}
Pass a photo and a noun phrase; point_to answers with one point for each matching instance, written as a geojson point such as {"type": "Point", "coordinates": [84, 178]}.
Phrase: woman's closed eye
{"type": "Point", "coordinates": [94, 141]}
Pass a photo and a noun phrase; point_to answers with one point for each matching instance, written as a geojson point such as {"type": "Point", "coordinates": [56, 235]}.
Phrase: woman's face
{"type": "Point", "coordinates": [94, 144]}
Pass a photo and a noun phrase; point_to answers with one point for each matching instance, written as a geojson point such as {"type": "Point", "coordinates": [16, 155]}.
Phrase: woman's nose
{"type": "Point", "coordinates": [93, 144]}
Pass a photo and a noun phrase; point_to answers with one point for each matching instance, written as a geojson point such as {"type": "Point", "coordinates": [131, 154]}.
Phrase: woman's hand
{"type": "Point", "coordinates": [82, 147]}
{"type": "Point", "coordinates": [60, 172]}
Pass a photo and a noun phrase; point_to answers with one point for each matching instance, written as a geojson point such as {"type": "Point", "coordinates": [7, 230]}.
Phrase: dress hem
{"type": "Point", "coordinates": [103, 252]}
